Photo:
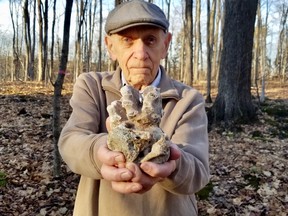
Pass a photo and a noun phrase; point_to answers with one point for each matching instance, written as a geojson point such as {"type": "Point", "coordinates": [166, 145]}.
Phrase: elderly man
{"type": "Point", "coordinates": [138, 38]}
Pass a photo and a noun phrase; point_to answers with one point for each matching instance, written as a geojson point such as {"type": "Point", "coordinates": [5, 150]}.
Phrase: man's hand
{"type": "Point", "coordinates": [129, 177]}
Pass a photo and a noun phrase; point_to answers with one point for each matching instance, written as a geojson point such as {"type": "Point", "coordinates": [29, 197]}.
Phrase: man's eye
{"type": "Point", "coordinates": [151, 41]}
{"type": "Point", "coordinates": [127, 40]}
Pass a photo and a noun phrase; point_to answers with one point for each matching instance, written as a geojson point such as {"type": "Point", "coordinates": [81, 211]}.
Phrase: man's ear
{"type": "Point", "coordinates": [109, 45]}
{"type": "Point", "coordinates": [168, 38]}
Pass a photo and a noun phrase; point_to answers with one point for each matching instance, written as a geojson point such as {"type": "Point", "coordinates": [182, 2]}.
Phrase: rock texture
{"type": "Point", "coordinates": [135, 128]}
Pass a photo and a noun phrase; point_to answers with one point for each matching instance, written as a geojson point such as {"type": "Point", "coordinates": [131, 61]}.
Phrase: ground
{"type": "Point", "coordinates": [249, 174]}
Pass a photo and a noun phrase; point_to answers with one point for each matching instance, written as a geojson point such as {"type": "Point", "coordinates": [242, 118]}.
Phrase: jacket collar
{"type": "Point", "coordinates": [112, 82]}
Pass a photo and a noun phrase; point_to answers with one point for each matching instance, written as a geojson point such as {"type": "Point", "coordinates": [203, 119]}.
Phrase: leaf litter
{"type": "Point", "coordinates": [249, 174]}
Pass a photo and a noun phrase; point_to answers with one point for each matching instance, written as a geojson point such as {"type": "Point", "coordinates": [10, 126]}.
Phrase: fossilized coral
{"type": "Point", "coordinates": [134, 122]}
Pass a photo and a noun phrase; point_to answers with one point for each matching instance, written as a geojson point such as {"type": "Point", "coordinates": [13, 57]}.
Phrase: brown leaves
{"type": "Point", "coordinates": [249, 174]}
{"type": "Point", "coordinates": [26, 158]}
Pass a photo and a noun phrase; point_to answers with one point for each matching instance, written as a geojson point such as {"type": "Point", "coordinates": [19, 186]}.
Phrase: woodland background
{"type": "Point", "coordinates": [235, 52]}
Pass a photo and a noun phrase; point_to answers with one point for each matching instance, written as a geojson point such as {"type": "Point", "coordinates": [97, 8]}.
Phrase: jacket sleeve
{"type": "Point", "coordinates": [80, 136]}
{"type": "Point", "coordinates": [189, 131]}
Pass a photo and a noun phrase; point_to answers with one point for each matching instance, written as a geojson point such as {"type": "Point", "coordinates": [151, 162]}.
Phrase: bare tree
{"type": "Point", "coordinates": [257, 47]}
{"type": "Point", "coordinates": [210, 41]}
{"type": "Point", "coordinates": [58, 86]}
{"type": "Point", "coordinates": [52, 39]}
{"type": "Point", "coordinates": [33, 45]}
{"type": "Point", "coordinates": [263, 59]}
{"type": "Point", "coordinates": [27, 37]}
{"type": "Point", "coordinates": [281, 58]}
{"type": "Point", "coordinates": [99, 68]}
{"type": "Point", "coordinates": [40, 42]}
{"type": "Point", "coordinates": [197, 41]}
{"type": "Point", "coordinates": [166, 63]}
{"type": "Point", "coordinates": [188, 72]}
{"type": "Point", "coordinates": [90, 29]}
{"type": "Point", "coordinates": [15, 73]}
{"type": "Point", "coordinates": [217, 43]}
{"type": "Point", "coordinates": [233, 103]}
{"type": "Point", "coordinates": [81, 10]}
{"type": "Point", "coordinates": [45, 42]}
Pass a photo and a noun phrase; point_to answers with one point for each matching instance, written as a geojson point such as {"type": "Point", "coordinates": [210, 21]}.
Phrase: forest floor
{"type": "Point", "coordinates": [249, 166]}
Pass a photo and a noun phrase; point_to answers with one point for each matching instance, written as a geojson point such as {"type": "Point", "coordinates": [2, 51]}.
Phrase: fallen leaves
{"type": "Point", "coordinates": [26, 146]}
{"type": "Point", "coordinates": [249, 173]}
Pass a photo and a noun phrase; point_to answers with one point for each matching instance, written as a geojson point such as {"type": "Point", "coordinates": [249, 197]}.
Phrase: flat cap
{"type": "Point", "coordinates": [135, 13]}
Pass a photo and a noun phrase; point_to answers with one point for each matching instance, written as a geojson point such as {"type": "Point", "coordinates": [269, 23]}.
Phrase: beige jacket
{"type": "Point", "coordinates": [185, 123]}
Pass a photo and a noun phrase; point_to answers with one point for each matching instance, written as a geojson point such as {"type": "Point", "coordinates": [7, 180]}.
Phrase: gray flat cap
{"type": "Point", "coordinates": [135, 13]}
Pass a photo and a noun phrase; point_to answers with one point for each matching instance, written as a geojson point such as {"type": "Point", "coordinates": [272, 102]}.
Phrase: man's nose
{"type": "Point", "coordinates": [140, 50]}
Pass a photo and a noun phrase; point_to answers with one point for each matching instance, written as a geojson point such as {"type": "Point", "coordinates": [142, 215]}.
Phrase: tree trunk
{"type": "Point", "coordinates": [210, 34]}
{"type": "Point", "coordinates": [32, 75]}
{"type": "Point", "coordinates": [91, 18]}
{"type": "Point", "coordinates": [52, 40]}
{"type": "Point", "coordinates": [81, 9]}
{"type": "Point", "coordinates": [257, 47]}
{"type": "Point", "coordinates": [46, 75]}
{"type": "Point", "coordinates": [281, 49]}
{"type": "Point", "coordinates": [234, 101]}
{"type": "Point", "coordinates": [263, 63]}
{"type": "Point", "coordinates": [189, 42]}
{"type": "Point", "coordinates": [182, 58]}
{"type": "Point", "coordinates": [216, 53]}
{"type": "Point", "coordinates": [166, 64]}
{"type": "Point", "coordinates": [27, 37]}
{"type": "Point", "coordinates": [58, 86]}
{"type": "Point", "coordinates": [197, 40]}
{"type": "Point", "coordinates": [99, 68]}
{"type": "Point", "coordinates": [16, 59]}
{"type": "Point", "coordinates": [40, 42]}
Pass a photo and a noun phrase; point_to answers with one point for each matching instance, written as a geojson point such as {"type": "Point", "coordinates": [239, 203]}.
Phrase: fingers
{"type": "Point", "coordinates": [111, 173]}
{"type": "Point", "coordinates": [108, 126]}
{"type": "Point", "coordinates": [165, 169]}
{"type": "Point", "coordinates": [122, 178]}
{"type": "Point", "coordinates": [126, 187]}
{"type": "Point", "coordinates": [175, 152]}
{"type": "Point", "coordinates": [108, 157]}
{"type": "Point", "coordinates": [145, 180]}
{"type": "Point", "coordinates": [159, 170]}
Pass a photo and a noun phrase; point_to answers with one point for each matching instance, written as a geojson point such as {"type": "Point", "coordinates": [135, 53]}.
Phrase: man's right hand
{"type": "Point", "coordinates": [113, 169]}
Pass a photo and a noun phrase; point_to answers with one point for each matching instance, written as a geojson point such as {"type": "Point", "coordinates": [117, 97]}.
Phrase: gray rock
{"type": "Point", "coordinates": [135, 128]}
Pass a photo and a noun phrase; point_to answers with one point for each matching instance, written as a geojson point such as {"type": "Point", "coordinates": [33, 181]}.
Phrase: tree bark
{"type": "Point", "coordinates": [52, 40]}
{"type": "Point", "coordinates": [217, 48]}
{"type": "Point", "coordinates": [81, 10]}
{"type": "Point", "coordinates": [99, 68]}
{"type": "Point", "coordinates": [233, 103]}
{"type": "Point", "coordinates": [166, 63]}
{"type": "Point", "coordinates": [210, 41]}
{"type": "Point", "coordinates": [197, 40]}
{"type": "Point", "coordinates": [188, 42]}
{"type": "Point", "coordinates": [91, 18]}
{"type": "Point", "coordinates": [58, 86]}
{"type": "Point", "coordinates": [208, 87]}
{"type": "Point", "coordinates": [280, 58]}
{"type": "Point", "coordinates": [257, 47]}
{"type": "Point", "coordinates": [46, 74]}
{"type": "Point", "coordinates": [40, 42]}
{"type": "Point", "coordinates": [15, 72]}
{"type": "Point", "coordinates": [263, 63]}
{"type": "Point", "coordinates": [27, 37]}
{"type": "Point", "coordinates": [33, 42]}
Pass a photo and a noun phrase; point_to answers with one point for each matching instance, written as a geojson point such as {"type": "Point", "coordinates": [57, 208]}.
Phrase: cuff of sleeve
{"type": "Point", "coordinates": [102, 140]}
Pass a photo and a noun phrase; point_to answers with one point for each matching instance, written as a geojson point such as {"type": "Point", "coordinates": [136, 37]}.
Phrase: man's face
{"type": "Point", "coordinates": [139, 51]}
